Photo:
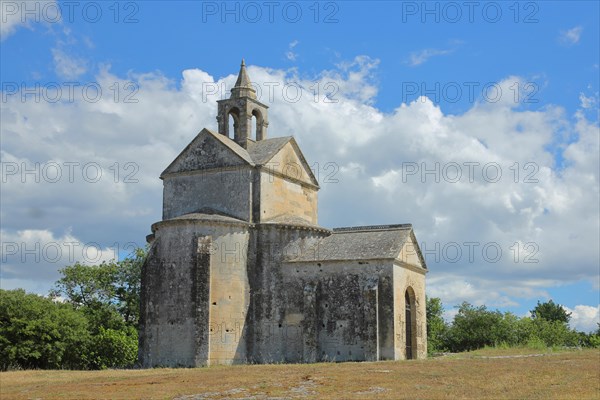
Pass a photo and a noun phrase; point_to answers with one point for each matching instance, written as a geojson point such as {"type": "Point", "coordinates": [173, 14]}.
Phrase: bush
{"type": "Point", "coordinates": [594, 341]}
{"type": "Point", "coordinates": [39, 333]}
{"type": "Point", "coordinates": [476, 327]}
{"type": "Point", "coordinates": [36, 332]}
{"type": "Point", "coordinates": [94, 325]}
{"type": "Point", "coordinates": [113, 348]}
{"type": "Point", "coordinates": [554, 333]}
{"type": "Point", "coordinates": [536, 343]}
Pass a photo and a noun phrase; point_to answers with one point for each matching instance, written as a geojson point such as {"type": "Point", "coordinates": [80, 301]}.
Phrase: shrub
{"type": "Point", "coordinates": [113, 348]}
{"type": "Point", "coordinates": [36, 332]}
{"type": "Point", "coordinates": [594, 341]}
{"type": "Point", "coordinates": [554, 333]}
{"type": "Point", "coordinates": [536, 343]}
{"type": "Point", "coordinates": [476, 327]}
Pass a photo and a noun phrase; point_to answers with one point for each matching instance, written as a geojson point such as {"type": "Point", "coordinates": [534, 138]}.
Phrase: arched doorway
{"type": "Point", "coordinates": [410, 324]}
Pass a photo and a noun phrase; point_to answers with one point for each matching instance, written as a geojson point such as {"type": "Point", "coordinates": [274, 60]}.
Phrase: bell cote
{"type": "Point", "coordinates": [245, 110]}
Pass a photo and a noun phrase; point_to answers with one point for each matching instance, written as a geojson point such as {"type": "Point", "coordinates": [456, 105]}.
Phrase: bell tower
{"type": "Point", "coordinates": [243, 106]}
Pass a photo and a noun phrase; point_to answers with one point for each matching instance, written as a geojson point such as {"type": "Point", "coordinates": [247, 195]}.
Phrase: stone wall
{"type": "Point", "coordinates": [229, 298]}
{"type": "Point", "coordinates": [343, 310]}
{"type": "Point", "coordinates": [194, 280]}
{"type": "Point", "coordinates": [268, 334]}
{"type": "Point", "coordinates": [280, 197]}
{"type": "Point", "coordinates": [225, 190]}
{"type": "Point", "coordinates": [224, 293]}
{"type": "Point", "coordinates": [406, 277]}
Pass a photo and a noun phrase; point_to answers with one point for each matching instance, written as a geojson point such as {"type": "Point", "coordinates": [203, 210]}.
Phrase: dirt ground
{"type": "Point", "coordinates": [491, 374]}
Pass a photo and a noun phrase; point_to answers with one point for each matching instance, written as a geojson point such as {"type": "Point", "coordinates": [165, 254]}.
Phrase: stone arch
{"type": "Point", "coordinates": [233, 113]}
{"type": "Point", "coordinates": [410, 323]}
{"type": "Point", "coordinates": [258, 124]}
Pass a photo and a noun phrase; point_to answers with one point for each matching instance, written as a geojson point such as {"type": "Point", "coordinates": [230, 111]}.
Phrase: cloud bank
{"type": "Point", "coordinates": [504, 200]}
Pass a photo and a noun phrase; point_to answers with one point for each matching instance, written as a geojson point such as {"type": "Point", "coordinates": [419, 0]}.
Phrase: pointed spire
{"type": "Point", "coordinates": [243, 86]}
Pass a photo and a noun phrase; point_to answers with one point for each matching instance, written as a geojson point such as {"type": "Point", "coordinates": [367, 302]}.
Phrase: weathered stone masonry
{"type": "Point", "coordinates": [240, 272]}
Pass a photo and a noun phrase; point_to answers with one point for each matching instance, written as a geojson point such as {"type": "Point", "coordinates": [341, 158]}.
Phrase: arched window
{"type": "Point", "coordinates": [257, 123]}
{"type": "Point", "coordinates": [253, 127]}
{"type": "Point", "coordinates": [233, 123]}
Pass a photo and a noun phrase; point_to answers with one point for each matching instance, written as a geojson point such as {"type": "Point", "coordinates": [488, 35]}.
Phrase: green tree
{"type": "Point", "coordinates": [477, 327]}
{"type": "Point", "coordinates": [128, 286]}
{"type": "Point", "coordinates": [109, 296]}
{"type": "Point", "coordinates": [594, 338]}
{"type": "Point", "coordinates": [109, 293]}
{"type": "Point", "coordinates": [554, 333]}
{"type": "Point", "coordinates": [550, 311]}
{"type": "Point", "coordinates": [113, 348]}
{"type": "Point", "coordinates": [506, 331]}
{"type": "Point", "coordinates": [36, 332]}
{"type": "Point", "coordinates": [436, 326]}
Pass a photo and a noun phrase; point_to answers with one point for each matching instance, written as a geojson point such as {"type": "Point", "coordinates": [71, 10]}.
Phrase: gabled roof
{"type": "Point", "coordinates": [233, 146]}
{"type": "Point", "coordinates": [193, 156]}
{"type": "Point", "coordinates": [258, 153]}
{"type": "Point", "coordinates": [361, 243]}
{"type": "Point", "coordinates": [263, 150]}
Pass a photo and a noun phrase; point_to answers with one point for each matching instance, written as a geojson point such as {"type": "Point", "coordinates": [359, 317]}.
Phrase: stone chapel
{"type": "Point", "coordinates": [239, 271]}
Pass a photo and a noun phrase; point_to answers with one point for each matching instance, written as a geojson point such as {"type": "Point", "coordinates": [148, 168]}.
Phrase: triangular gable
{"type": "Point", "coordinates": [290, 162]}
{"type": "Point", "coordinates": [411, 253]}
{"type": "Point", "coordinates": [209, 150]}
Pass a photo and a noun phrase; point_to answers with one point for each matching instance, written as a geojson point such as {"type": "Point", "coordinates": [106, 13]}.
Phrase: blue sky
{"type": "Point", "coordinates": [170, 37]}
{"type": "Point", "coordinates": [381, 57]}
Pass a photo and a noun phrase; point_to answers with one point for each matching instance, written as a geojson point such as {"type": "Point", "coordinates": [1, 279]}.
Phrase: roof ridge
{"type": "Point", "coordinates": [255, 145]}
{"type": "Point", "coordinates": [371, 228]}
{"type": "Point", "coordinates": [224, 140]}
{"type": "Point", "coordinates": [237, 149]}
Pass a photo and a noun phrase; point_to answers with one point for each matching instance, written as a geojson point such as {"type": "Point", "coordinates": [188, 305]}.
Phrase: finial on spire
{"type": "Point", "coordinates": [243, 86]}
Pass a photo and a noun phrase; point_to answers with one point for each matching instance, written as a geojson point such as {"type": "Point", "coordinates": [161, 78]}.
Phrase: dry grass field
{"type": "Point", "coordinates": [485, 374]}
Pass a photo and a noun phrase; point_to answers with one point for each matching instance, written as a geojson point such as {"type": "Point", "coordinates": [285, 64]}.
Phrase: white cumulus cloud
{"type": "Point", "coordinates": [16, 14]}
{"type": "Point", "coordinates": [584, 318]}
{"type": "Point", "coordinates": [508, 228]}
